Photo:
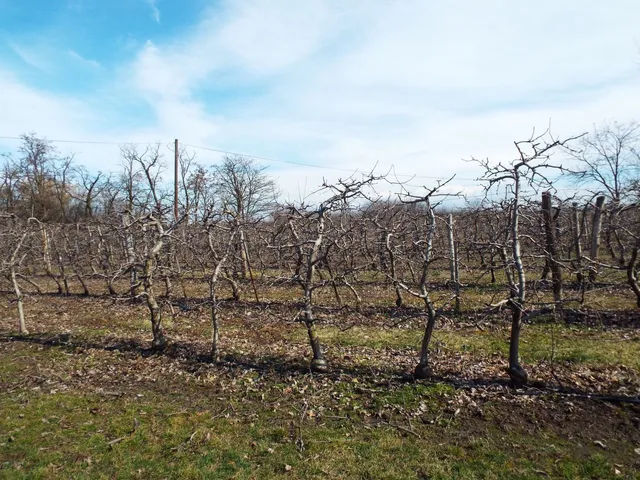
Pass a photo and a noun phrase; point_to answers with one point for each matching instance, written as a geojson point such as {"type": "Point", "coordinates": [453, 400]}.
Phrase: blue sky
{"type": "Point", "coordinates": [347, 84]}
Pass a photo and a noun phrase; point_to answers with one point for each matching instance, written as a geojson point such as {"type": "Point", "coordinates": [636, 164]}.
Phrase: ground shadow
{"type": "Point", "coordinates": [194, 359]}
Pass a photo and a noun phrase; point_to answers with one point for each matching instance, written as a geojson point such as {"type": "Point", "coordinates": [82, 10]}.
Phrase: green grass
{"type": "Point", "coordinates": [544, 342]}
{"type": "Point", "coordinates": [67, 436]}
{"type": "Point", "coordinates": [538, 342]}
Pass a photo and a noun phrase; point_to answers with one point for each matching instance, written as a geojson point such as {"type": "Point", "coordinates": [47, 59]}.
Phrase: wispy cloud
{"type": "Point", "coordinates": [412, 84]}
{"type": "Point", "coordinates": [32, 57]}
{"type": "Point", "coordinates": [76, 56]}
{"type": "Point", "coordinates": [29, 109]}
{"type": "Point", "coordinates": [155, 11]}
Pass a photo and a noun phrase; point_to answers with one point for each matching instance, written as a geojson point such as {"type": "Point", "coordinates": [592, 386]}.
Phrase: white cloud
{"type": "Point", "coordinates": [411, 84]}
{"type": "Point", "coordinates": [257, 38]}
{"type": "Point", "coordinates": [495, 45]}
{"type": "Point", "coordinates": [155, 12]}
{"type": "Point", "coordinates": [33, 57]}
{"type": "Point", "coordinates": [27, 109]}
{"type": "Point", "coordinates": [76, 56]}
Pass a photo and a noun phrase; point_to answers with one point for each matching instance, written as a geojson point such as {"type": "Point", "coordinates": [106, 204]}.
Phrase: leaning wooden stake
{"type": "Point", "coordinates": [13, 261]}
{"type": "Point", "coordinates": [577, 246]}
{"type": "Point", "coordinates": [453, 264]}
{"type": "Point", "coordinates": [595, 237]}
{"type": "Point", "coordinates": [554, 265]}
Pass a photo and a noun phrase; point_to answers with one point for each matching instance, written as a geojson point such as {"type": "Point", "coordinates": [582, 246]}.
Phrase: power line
{"type": "Point", "coordinates": [257, 157]}
{"type": "Point", "coordinates": [317, 166]}
{"type": "Point", "coordinates": [271, 159]}
{"type": "Point", "coordinates": [487, 195]}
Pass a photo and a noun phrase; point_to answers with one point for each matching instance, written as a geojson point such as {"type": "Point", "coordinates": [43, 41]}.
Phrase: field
{"type": "Point", "coordinates": [83, 396]}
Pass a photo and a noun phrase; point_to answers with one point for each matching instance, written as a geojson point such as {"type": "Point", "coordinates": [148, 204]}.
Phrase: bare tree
{"type": "Point", "coordinates": [243, 185]}
{"type": "Point", "coordinates": [307, 227]}
{"type": "Point", "coordinates": [143, 189]}
{"type": "Point", "coordinates": [608, 165]}
{"type": "Point", "coordinates": [426, 244]}
{"type": "Point", "coordinates": [608, 160]}
{"type": "Point", "coordinates": [90, 187]}
{"type": "Point", "coordinates": [37, 184]}
{"type": "Point", "coordinates": [15, 234]}
{"type": "Point", "coordinates": [10, 188]}
{"type": "Point", "coordinates": [220, 239]}
{"type": "Point", "coordinates": [94, 230]}
{"type": "Point", "coordinates": [384, 217]}
{"type": "Point", "coordinates": [528, 169]}
{"type": "Point", "coordinates": [633, 268]}
{"type": "Point", "coordinates": [149, 265]}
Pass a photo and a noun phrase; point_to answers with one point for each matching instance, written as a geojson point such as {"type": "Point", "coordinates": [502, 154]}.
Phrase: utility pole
{"type": "Point", "coordinates": [175, 181]}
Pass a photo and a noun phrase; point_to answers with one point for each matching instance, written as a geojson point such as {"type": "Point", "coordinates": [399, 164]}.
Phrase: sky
{"type": "Point", "coordinates": [344, 85]}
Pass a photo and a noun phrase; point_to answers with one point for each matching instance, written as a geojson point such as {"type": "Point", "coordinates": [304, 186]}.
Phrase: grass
{"type": "Point", "coordinates": [539, 342]}
{"type": "Point", "coordinates": [75, 435]}
{"type": "Point", "coordinates": [544, 342]}
{"type": "Point", "coordinates": [89, 409]}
